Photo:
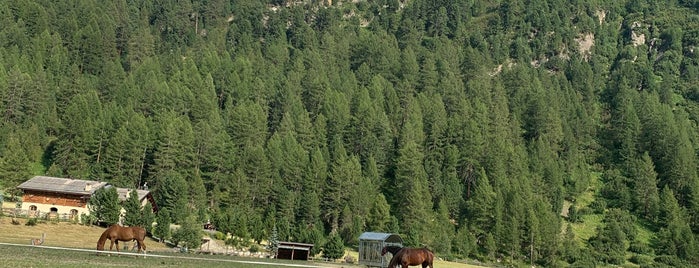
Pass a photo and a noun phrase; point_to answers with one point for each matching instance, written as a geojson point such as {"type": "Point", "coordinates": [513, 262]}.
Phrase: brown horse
{"type": "Point", "coordinates": [412, 256]}
{"type": "Point", "coordinates": [116, 233]}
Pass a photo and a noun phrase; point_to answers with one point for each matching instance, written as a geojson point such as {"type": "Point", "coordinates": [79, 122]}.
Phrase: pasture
{"type": "Point", "coordinates": [29, 256]}
{"type": "Point", "coordinates": [81, 241]}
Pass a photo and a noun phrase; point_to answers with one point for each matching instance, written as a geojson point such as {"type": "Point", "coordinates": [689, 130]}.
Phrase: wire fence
{"type": "Point", "coordinates": [41, 215]}
{"type": "Point", "coordinates": [143, 254]}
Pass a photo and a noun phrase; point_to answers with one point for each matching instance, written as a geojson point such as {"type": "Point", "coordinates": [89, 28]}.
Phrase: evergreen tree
{"type": "Point", "coordinates": [609, 243]}
{"type": "Point", "coordinates": [571, 249]}
{"type": "Point", "coordinates": [189, 234]}
{"type": "Point", "coordinates": [379, 215]}
{"type": "Point", "coordinates": [646, 196]}
{"type": "Point", "coordinates": [147, 218]}
{"type": "Point", "coordinates": [162, 227]}
{"type": "Point", "coordinates": [334, 248]}
{"type": "Point", "coordinates": [132, 207]}
{"type": "Point", "coordinates": [413, 205]}
{"type": "Point", "coordinates": [14, 165]}
{"type": "Point", "coordinates": [273, 244]}
{"type": "Point", "coordinates": [480, 207]}
{"type": "Point", "coordinates": [104, 205]}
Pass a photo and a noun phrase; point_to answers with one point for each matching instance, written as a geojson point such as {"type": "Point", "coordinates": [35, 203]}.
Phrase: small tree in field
{"type": "Point", "coordinates": [162, 229]}
{"type": "Point", "coordinates": [147, 217]}
{"type": "Point", "coordinates": [104, 205]}
{"type": "Point", "coordinates": [334, 248]}
{"type": "Point", "coordinates": [189, 235]}
{"type": "Point", "coordinates": [132, 206]}
{"type": "Point", "coordinates": [273, 245]}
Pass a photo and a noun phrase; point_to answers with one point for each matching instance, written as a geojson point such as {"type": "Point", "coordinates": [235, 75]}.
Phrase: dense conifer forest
{"type": "Point", "coordinates": [554, 133]}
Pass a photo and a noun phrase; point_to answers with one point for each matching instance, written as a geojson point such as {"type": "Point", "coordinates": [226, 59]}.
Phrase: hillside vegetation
{"type": "Point", "coordinates": [550, 133]}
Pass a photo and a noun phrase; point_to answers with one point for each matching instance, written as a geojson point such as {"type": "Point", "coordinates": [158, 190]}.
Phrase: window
{"type": "Point", "coordinates": [73, 214]}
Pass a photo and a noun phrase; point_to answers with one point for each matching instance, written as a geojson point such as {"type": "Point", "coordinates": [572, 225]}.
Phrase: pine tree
{"type": "Point", "coordinates": [162, 227]}
{"type": "Point", "coordinates": [132, 207]}
{"type": "Point", "coordinates": [147, 218]}
{"type": "Point", "coordinates": [609, 243]}
{"type": "Point", "coordinates": [334, 248]}
{"type": "Point", "coordinates": [189, 234]}
{"type": "Point", "coordinates": [480, 206]}
{"type": "Point", "coordinates": [14, 165]}
{"type": "Point", "coordinates": [104, 205]}
{"type": "Point", "coordinates": [646, 196]}
{"type": "Point", "coordinates": [273, 241]}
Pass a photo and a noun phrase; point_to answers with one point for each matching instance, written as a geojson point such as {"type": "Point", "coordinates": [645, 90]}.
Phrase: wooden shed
{"type": "Point", "coordinates": [370, 245]}
{"type": "Point", "coordinates": [294, 251]}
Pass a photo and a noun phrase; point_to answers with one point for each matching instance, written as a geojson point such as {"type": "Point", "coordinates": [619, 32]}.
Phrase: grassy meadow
{"type": "Point", "coordinates": [83, 239]}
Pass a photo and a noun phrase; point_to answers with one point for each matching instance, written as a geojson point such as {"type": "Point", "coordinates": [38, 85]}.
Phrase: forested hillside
{"type": "Point", "coordinates": [551, 133]}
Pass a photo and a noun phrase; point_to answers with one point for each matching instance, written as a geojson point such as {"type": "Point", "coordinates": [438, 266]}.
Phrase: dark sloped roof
{"type": "Point", "coordinates": [62, 185]}
{"type": "Point", "coordinates": [124, 193]}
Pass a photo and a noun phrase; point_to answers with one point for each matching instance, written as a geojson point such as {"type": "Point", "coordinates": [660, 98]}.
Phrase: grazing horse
{"type": "Point", "coordinates": [392, 249]}
{"type": "Point", "coordinates": [412, 256]}
{"type": "Point", "coordinates": [116, 233]}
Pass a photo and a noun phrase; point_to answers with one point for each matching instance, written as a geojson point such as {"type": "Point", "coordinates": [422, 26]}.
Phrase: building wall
{"type": "Point", "coordinates": [54, 199]}
{"type": "Point", "coordinates": [63, 203]}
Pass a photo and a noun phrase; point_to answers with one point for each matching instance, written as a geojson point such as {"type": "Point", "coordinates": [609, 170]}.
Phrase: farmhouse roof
{"type": "Point", "coordinates": [124, 193]}
{"type": "Point", "coordinates": [62, 185]}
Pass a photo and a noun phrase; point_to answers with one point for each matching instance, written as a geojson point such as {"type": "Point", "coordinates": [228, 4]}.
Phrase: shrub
{"type": "Point", "coordinates": [254, 248]}
{"type": "Point", "coordinates": [219, 235]}
{"type": "Point", "coordinates": [87, 220]}
{"type": "Point", "coordinates": [31, 222]}
{"type": "Point", "coordinates": [350, 259]}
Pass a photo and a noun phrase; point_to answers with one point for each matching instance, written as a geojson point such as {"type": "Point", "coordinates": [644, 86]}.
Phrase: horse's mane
{"type": "Point", "coordinates": [391, 248]}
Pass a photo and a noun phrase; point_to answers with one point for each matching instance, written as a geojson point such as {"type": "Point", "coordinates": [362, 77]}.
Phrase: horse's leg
{"type": "Point", "coordinates": [116, 241]}
{"type": "Point", "coordinates": [142, 245]}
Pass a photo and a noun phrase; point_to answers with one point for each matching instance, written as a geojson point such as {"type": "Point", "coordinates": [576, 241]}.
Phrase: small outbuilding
{"type": "Point", "coordinates": [370, 245]}
{"type": "Point", "coordinates": [294, 251]}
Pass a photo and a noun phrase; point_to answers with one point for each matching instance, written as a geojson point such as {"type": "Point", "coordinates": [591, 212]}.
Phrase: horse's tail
{"type": "Point", "coordinates": [393, 262]}
{"type": "Point", "coordinates": [140, 234]}
{"type": "Point", "coordinates": [430, 256]}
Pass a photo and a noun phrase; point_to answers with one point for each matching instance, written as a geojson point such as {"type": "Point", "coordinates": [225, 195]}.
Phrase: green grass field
{"type": "Point", "coordinates": [81, 240]}
{"type": "Point", "coordinates": [21, 256]}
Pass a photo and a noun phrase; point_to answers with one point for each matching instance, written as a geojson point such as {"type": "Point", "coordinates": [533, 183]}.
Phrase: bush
{"type": "Point", "coordinates": [350, 259]}
{"type": "Point", "coordinates": [254, 248]}
{"type": "Point", "coordinates": [87, 220]}
{"type": "Point", "coordinates": [31, 222]}
{"type": "Point", "coordinates": [219, 236]}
